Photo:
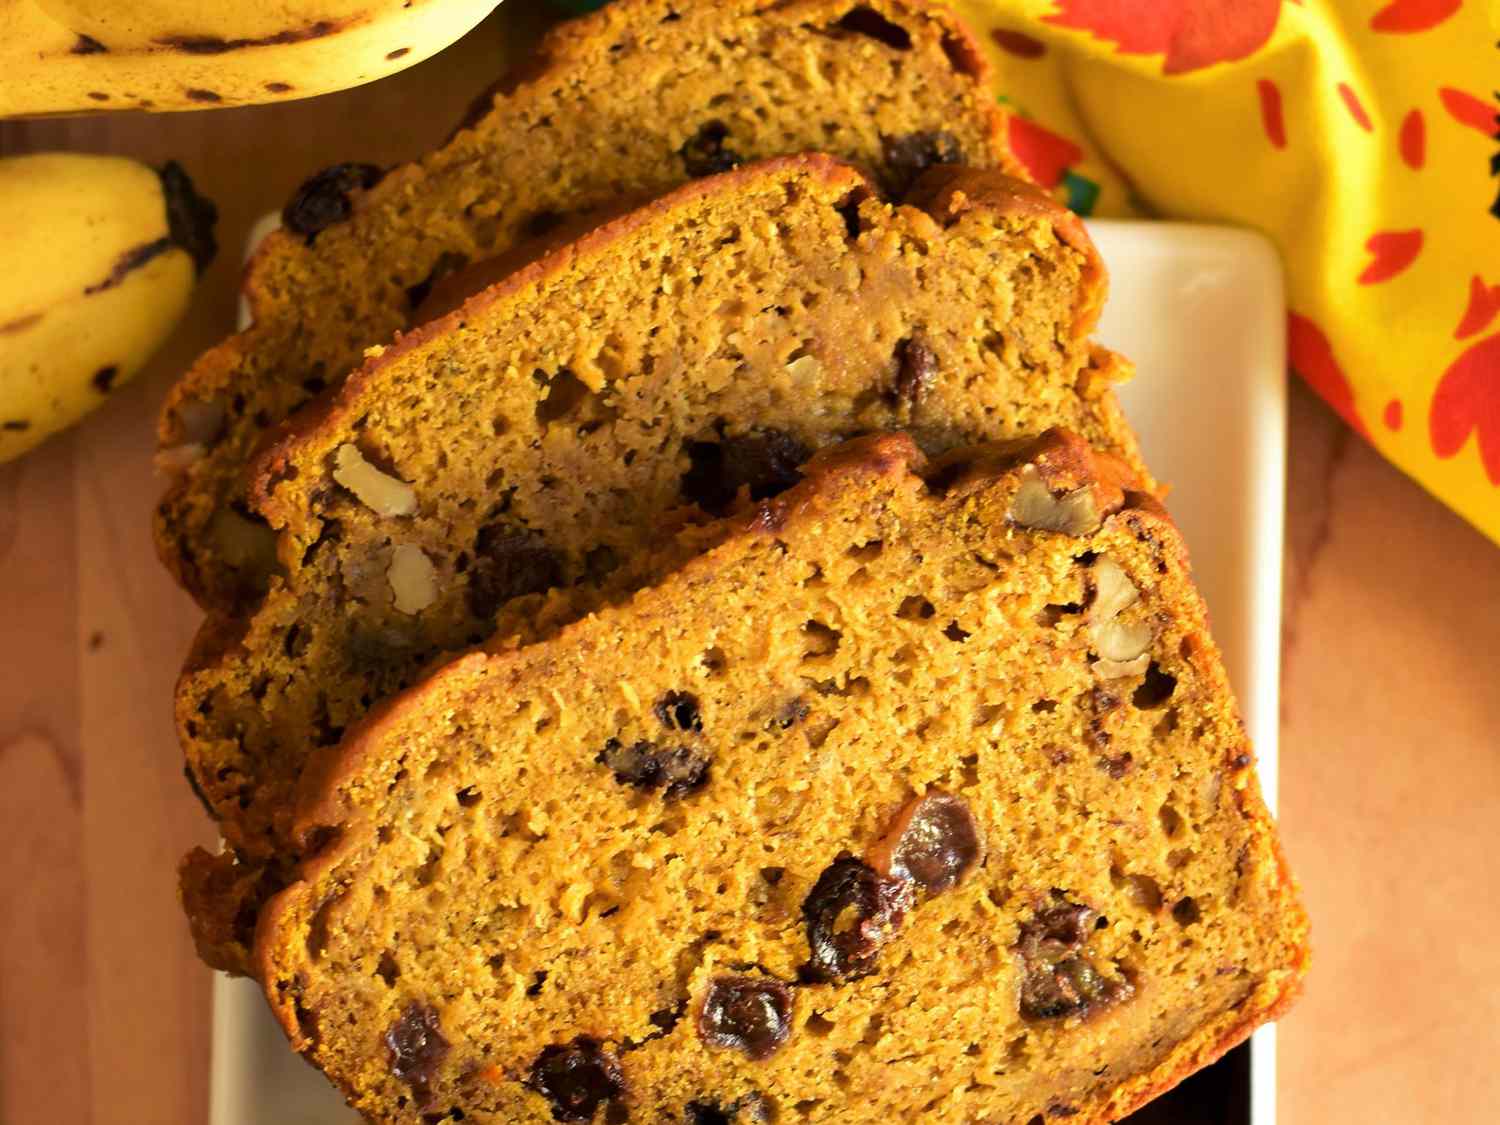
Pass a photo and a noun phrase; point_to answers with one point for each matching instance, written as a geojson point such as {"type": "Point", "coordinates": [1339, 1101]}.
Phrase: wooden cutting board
{"type": "Point", "coordinates": [1390, 769]}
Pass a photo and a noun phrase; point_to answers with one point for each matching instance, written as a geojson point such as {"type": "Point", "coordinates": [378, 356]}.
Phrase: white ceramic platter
{"type": "Point", "coordinates": [1200, 311]}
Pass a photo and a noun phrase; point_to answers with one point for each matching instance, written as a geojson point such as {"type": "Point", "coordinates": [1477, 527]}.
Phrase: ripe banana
{"type": "Point", "coordinates": [102, 253]}
{"type": "Point", "coordinates": [64, 56]}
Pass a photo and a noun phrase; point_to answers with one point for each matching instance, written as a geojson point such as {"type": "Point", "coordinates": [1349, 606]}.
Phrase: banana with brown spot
{"type": "Point", "coordinates": [63, 56]}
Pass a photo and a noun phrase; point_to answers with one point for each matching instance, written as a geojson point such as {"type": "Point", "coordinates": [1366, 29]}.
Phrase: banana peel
{"type": "Point", "coordinates": [104, 255]}
{"type": "Point", "coordinates": [71, 56]}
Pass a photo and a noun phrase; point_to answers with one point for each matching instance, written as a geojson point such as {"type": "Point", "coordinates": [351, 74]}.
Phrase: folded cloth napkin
{"type": "Point", "coordinates": [1361, 136]}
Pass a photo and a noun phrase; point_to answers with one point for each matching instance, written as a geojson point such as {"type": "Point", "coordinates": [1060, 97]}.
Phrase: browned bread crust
{"type": "Point", "coordinates": [496, 887]}
{"type": "Point", "coordinates": [629, 100]}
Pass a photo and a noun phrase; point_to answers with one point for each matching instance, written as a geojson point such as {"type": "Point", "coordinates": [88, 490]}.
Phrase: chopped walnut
{"type": "Point", "coordinates": [413, 579]}
{"type": "Point", "coordinates": [201, 422]}
{"type": "Point", "coordinates": [1123, 648]}
{"type": "Point", "coordinates": [382, 493]}
{"type": "Point", "coordinates": [1034, 506]}
{"type": "Point", "coordinates": [804, 368]}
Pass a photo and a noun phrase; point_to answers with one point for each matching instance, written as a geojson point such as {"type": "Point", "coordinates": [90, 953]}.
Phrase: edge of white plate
{"type": "Point", "coordinates": [1258, 682]}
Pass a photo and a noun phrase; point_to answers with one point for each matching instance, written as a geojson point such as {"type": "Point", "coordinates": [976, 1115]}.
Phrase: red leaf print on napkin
{"type": "Point", "coordinates": [1468, 399]}
{"type": "Point", "coordinates": [1045, 155]}
{"type": "Point", "coordinates": [1413, 139]}
{"type": "Point", "coordinates": [1393, 251]}
{"type": "Point", "coordinates": [1468, 110]}
{"type": "Point", "coordinates": [1484, 303]}
{"type": "Point", "coordinates": [1413, 15]}
{"type": "Point", "coordinates": [1270, 112]}
{"type": "Point", "coordinates": [1355, 107]}
{"type": "Point", "coordinates": [1190, 33]}
{"type": "Point", "coordinates": [1311, 356]}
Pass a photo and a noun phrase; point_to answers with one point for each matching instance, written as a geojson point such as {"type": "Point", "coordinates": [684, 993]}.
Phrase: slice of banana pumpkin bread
{"type": "Point", "coordinates": [628, 101]}
{"type": "Point", "coordinates": [700, 346]}
{"type": "Point", "coordinates": [921, 795]}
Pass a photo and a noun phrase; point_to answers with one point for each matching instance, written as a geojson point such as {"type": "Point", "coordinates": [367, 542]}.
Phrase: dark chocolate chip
{"type": "Point", "coordinates": [323, 199]}
{"type": "Point", "coordinates": [748, 1014]}
{"type": "Point", "coordinates": [509, 562]}
{"type": "Point", "coordinates": [577, 1078]}
{"type": "Point", "coordinates": [1058, 980]}
{"type": "Point", "coordinates": [678, 710]}
{"type": "Point", "coordinates": [909, 155]}
{"type": "Point", "coordinates": [1186, 912]}
{"type": "Point", "coordinates": [851, 911]}
{"type": "Point", "coordinates": [916, 372]}
{"type": "Point", "coordinates": [416, 1045]}
{"type": "Point", "coordinates": [766, 463]}
{"type": "Point", "coordinates": [678, 771]}
{"type": "Point", "coordinates": [933, 842]}
{"type": "Point", "coordinates": [704, 153]}
{"type": "Point", "coordinates": [1102, 706]}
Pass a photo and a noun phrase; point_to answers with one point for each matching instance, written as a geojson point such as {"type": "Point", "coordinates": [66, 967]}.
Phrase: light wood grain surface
{"type": "Point", "coordinates": [1391, 706]}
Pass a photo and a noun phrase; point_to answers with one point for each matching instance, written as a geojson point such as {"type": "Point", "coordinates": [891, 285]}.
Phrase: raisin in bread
{"type": "Point", "coordinates": [700, 345]}
{"type": "Point", "coordinates": [633, 99]}
{"type": "Point", "coordinates": [920, 796]}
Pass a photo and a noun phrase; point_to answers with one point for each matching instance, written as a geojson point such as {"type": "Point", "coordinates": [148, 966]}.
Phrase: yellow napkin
{"type": "Point", "coordinates": [1359, 135]}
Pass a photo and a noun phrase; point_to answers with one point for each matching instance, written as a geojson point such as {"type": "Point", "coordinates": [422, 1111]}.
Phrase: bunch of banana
{"type": "Point", "coordinates": [102, 253]}
{"type": "Point", "coordinates": [61, 56]}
